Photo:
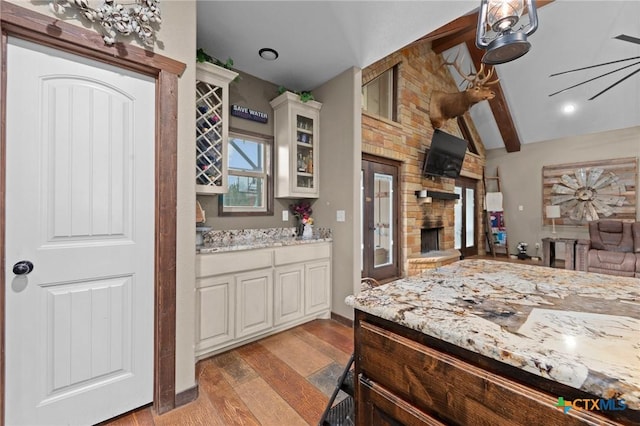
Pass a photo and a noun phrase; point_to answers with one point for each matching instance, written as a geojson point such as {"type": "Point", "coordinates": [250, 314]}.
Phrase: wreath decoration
{"type": "Point", "coordinates": [116, 18]}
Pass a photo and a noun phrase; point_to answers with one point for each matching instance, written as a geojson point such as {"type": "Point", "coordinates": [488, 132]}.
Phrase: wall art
{"type": "Point", "coordinates": [588, 191]}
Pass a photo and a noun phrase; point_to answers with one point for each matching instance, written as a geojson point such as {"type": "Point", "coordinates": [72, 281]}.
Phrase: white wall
{"type": "Point", "coordinates": [340, 163]}
{"type": "Point", "coordinates": [177, 40]}
{"type": "Point", "coordinates": [521, 179]}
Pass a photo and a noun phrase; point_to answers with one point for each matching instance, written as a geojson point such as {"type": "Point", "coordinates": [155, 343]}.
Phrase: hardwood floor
{"type": "Point", "coordinates": [285, 379]}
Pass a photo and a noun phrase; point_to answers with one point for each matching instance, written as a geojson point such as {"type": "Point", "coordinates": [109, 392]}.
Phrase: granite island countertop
{"type": "Point", "coordinates": [220, 241]}
{"type": "Point", "coordinates": [576, 328]}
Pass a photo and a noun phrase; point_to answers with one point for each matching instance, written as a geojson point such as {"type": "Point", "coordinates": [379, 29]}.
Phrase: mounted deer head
{"type": "Point", "coordinates": [444, 106]}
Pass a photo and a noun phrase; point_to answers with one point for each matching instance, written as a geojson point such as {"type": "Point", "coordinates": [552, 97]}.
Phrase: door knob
{"type": "Point", "coordinates": [23, 267]}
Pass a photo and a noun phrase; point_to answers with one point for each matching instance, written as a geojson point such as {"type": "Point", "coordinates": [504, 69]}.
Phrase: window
{"type": "Point", "coordinates": [250, 182]}
{"type": "Point", "coordinates": [379, 95]}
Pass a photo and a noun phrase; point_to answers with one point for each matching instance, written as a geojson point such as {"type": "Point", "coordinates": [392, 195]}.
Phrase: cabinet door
{"type": "Point", "coordinates": [214, 312]}
{"type": "Point", "coordinates": [288, 294]}
{"type": "Point", "coordinates": [305, 182]}
{"type": "Point", "coordinates": [254, 302]}
{"type": "Point", "coordinates": [317, 278]}
{"type": "Point", "coordinates": [297, 135]}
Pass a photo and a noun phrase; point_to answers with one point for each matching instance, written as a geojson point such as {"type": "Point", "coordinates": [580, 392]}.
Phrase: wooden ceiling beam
{"type": "Point", "coordinates": [498, 106]}
{"type": "Point", "coordinates": [463, 31]}
{"type": "Point", "coordinates": [460, 25]}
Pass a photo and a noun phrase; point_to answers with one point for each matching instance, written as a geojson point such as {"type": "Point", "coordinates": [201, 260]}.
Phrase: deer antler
{"type": "Point", "coordinates": [478, 79]}
{"type": "Point", "coordinates": [482, 79]}
{"type": "Point", "coordinates": [457, 67]}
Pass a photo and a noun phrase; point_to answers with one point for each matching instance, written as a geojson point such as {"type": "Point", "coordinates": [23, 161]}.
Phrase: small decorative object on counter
{"type": "Point", "coordinates": [302, 211]}
{"type": "Point", "coordinates": [307, 232]}
{"type": "Point", "coordinates": [522, 251]}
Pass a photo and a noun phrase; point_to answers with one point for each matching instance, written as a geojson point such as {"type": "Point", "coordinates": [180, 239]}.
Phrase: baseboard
{"type": "Point", "coordinates": [187, 396]}
{"type": "Point", "coordinates": [342, 320]}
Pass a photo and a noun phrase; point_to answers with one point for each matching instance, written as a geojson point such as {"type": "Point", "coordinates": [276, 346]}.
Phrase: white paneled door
{"type": "Point", "coordinates": [80, 209]}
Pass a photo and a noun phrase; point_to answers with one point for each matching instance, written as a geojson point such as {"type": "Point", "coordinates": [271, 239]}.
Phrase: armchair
{"type": "Point", "coordinates": [613, 248]}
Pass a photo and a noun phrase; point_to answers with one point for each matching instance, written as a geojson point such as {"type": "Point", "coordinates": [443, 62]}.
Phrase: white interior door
{"type": "Point", "coordinates": [79, 206]}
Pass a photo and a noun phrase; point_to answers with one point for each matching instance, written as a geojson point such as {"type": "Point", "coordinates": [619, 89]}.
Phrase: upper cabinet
{"type": "Point", "coordinates": [297, 137]}
{"type": "Point", "coordinates": [212, 127]}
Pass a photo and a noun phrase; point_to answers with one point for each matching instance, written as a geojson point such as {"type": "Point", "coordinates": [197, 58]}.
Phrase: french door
{"type": "Point", "coordinates": [380, 218]}
{"type": "Point", "coordinates": [465, 230]}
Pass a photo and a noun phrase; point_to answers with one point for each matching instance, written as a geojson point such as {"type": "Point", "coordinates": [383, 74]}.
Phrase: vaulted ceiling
{"type": "Point", "coordinates": [317, 40]}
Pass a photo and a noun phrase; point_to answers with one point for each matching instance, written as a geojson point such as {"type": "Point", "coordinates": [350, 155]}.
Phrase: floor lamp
{"type": "Point", "coordinates": [553, 213]}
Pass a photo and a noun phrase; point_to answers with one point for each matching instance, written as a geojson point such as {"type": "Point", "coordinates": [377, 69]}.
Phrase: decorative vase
{"type": "Point", "coordinates": [307, 232]}
{"type": "Point", "coordinates": [299, 228]}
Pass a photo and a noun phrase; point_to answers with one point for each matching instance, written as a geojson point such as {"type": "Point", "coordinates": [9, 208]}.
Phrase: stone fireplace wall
{"type": "Point", "coordinates": [419, 72]}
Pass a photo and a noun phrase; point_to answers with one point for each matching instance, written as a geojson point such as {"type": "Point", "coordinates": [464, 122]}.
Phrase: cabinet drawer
{"type": "Point", "coordinates": [452, 390]}
{"type": "Point", "coordinates": [384, 408]}
{"type": "Point", "coordinates": [302, 253]}
{"type": "Point", "coordinates": [235, 261]}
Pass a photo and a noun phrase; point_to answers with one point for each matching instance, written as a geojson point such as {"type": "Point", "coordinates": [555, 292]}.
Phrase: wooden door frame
{"type": "Point", "coordinates": [397, 204]}
{"type": "Point", "coordinates": [26, 24]}
{"type": "Point", "coordinates": [473, 184]}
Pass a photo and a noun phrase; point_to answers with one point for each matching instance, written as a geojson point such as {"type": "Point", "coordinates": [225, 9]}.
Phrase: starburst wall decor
{"type": "Point", "coordinates": [139, 17]}
{"type": "Point", "coordinates": [591, 191]}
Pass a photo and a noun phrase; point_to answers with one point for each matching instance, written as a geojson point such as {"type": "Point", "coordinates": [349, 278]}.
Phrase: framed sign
{"type": "Point", "coordinates": [588, 191]}
{"type": "Point", "coordinates": [249, 114]}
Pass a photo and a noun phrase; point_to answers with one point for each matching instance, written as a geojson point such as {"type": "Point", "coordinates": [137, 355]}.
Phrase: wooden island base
{"type": "Point", "coordinates": [406, 377]}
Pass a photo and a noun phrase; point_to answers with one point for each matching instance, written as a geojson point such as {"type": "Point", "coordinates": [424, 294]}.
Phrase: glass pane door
{"type": "Point", "coordinates": [304, 152]}
{"type": "Point", "coordinates": [465, 217]}
{"type": "Point", "coordinates": [379, 214]}
{"type": "Point", "coordinates": [383, 216]}
{"type": "Point", "coordinates": [457, 215]}
{"type": "Point", "coordinates": [470, 218]}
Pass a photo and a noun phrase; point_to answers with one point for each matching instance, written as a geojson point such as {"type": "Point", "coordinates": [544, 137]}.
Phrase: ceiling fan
{"type": "Point", "coordinates": [622, 37]}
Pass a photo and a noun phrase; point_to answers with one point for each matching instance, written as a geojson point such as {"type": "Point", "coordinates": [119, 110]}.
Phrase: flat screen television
{"type": "Point", "coordinates": [445, 156]}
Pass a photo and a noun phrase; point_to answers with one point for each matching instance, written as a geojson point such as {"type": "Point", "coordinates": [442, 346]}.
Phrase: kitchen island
{"type": "Point", "coordinates": [486, 342]}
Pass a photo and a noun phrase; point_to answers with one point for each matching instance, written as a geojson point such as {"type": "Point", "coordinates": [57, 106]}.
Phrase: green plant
{"type": "Point", "coordinates": [305, 96]}
{"type": "Point", "coordinates": [202, 56]}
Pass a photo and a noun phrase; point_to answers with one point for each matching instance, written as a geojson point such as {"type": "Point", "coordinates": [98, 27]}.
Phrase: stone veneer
{"type": "Point", "coordinates": [419, 72]}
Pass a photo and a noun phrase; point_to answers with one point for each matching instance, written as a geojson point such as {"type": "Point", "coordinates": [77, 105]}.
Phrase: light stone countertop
{"type": "Point", "coordinates": [251, 239]}
{"type": "Point", "coordinates": [576, 328]}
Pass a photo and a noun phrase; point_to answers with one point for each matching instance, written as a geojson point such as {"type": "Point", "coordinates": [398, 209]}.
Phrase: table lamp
{"type": "Point", "coordinates": [553, 212]}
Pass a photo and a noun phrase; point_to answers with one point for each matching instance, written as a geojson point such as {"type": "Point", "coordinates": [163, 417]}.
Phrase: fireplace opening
{"type": "Point", "coordinates": [430, 238]}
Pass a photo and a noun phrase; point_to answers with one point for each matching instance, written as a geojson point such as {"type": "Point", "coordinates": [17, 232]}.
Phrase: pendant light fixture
{"type": "Point", "coordinates": [497, 32]}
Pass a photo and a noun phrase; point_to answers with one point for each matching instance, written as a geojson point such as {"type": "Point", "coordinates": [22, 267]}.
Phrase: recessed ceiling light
{"type": "Point", "coordinates": [268, 54]}
{"type": "Point", "coordinates": [569, 109]}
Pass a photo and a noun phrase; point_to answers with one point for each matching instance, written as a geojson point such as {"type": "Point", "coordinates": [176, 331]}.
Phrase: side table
{"type": "Point", "coordinates": [549, 251]}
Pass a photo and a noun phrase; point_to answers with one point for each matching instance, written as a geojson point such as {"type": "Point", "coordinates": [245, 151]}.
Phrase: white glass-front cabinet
{"type": "Point", "coordinates": [297, 130]}
{"type": "Point", "coordinates": [212, 127]}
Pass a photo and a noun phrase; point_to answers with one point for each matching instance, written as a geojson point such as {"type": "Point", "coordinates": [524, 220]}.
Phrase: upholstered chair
{"type": "Point", "coordinates": [610, 249]}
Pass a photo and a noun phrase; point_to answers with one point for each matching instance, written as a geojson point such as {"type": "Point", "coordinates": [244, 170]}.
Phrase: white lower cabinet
{"type": "Point", "coordinates": [254, 305]}
{"type": "Point", "coordinates": [245, 295]}
{"type": "Point", "coordinates": [215, 300]}
{"type": "Point", "coordinates": [289, 294]}
{"type": "Point", "coordinates": [317, 296]}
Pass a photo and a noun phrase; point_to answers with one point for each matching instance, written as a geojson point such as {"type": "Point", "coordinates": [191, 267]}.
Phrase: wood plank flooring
{"type": "Point", "coordinates": [284, 379]}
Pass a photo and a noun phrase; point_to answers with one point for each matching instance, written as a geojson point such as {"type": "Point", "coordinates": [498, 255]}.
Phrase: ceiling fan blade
{"type": "Point", "coordinates": [594, 66]}
{"type": "Point", "coordinates": [614, 84]}
{"type": "Point", "coordinates": [630, 39]}
{"type": "Point", "coordinates": [595, 78]}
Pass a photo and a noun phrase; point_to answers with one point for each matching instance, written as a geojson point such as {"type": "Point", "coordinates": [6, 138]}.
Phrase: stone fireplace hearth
{"type": "Point", "coordinates": [433, 247]}
{"type": "Point", "coordinates": [430, 236]}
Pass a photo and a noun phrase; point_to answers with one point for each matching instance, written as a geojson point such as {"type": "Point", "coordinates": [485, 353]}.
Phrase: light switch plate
{"type": "Point", "coordinates": [285, 215]}
{"type": "Point", "coordinates": [340, 216]}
